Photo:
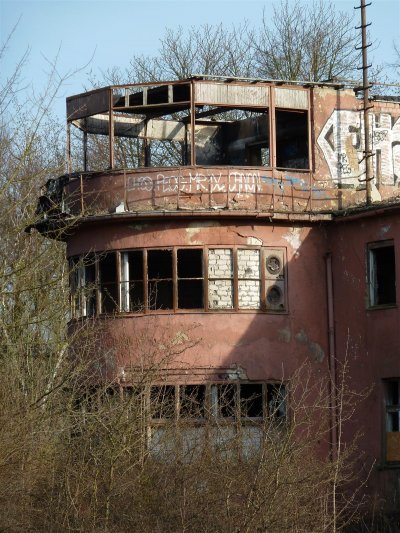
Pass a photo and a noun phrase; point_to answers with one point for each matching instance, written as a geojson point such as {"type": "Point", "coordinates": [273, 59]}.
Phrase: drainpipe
{"type": "Point", "coordinates": [332, 358]}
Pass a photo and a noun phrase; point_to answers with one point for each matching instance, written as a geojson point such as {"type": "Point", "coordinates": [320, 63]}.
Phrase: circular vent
{"type": "Point", "coordinates": [274, 295]}
{"type": "Point", "coordinates": [273, 264]}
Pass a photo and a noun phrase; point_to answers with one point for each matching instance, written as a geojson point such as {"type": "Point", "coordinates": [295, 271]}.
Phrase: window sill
{"type": "Point", "coordinates": [382, 307]}
{"type": "Point", "coordinates": [182, 312]}
{"type": "Point", "coordinates": [388, 466]}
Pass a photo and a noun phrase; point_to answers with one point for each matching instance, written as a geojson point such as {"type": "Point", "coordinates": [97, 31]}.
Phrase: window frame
{"type": "Point", "coordinates": [372, 283]}
{"type": "Point", "coordinates": [263, 279]}
{"type": "Point", "coordinates": [212, 410]}
{"type": "Point", "coordinates": [389, 408]}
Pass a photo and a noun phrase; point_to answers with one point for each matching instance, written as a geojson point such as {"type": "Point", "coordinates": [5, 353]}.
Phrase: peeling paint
{"type": "Point", "coordinates": [385, 229]}
{"type": "Point", "coordinates": [254, 241]}
{"type": "Point", "coordinates": [285, 335]}
{"type": "Point", "coordinates": [294, 240]}
{"type": "Point", "coordinates": [315, 350]}
{"type": "Point", "coordinates": [194, 228]}
{"type": "Point", "coordinates": [179, 338]}
{"type": "Point", "coordinates": [138, 227]}
{"type": "Point", "coordinates": [236, 372]}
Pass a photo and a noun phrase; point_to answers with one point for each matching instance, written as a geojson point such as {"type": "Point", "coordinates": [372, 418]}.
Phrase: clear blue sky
{"type": "Point", "coordinates": [108, 32]}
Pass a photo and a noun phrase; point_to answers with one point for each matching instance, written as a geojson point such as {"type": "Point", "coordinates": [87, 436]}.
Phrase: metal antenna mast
{"type": "Point", "coordinates": [366, 104]}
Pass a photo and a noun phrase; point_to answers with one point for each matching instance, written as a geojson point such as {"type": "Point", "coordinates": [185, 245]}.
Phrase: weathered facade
{"type": "Point", "coordinates": [233, 213]}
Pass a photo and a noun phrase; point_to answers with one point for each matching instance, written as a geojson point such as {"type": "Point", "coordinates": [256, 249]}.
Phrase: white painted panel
{"type": "Point", "coordinates": [291, 98]}
{"type": "Point", "coordinates": [240, 95]}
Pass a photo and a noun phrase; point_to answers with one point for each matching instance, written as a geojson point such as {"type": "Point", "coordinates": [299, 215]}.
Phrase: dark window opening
{"type": "Point", "coordinates": [83, 286]}
{"type": "Point", "coordinates": [160, 286]}
{"type": "Point", "coordinates": [190, 278]}
{"type": "Point", "coordinates": [162, 401]}
{"type": "Point", "coordinates": [108, 283]}
{"type": "Point", "coordinates": [251, 400]}
{"type": "Point", "coordinates": [132, 286]}
{"type": "Point", "coordinates": [392, 414]}
{"type": "Point", "coordinates": [382, 275]}
{"type": "Point", "coordinates": [292, 139]}
{"type": "Point", "coordinates": [231, 137]}
{"type": "Point", "coordinates": [159, 264]}
{"type": "Point", "coordinates": [227, 400]}
{"type": "Point", "coordinates": [192, 401]}
{"type": "Point", "coordinates": [276, 399]}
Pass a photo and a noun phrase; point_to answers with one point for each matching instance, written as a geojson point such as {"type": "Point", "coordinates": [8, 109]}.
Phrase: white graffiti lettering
{"type": "Point", "coordinates": [240, 183]}
{"type": "Point", "coordinates": [342, 143]}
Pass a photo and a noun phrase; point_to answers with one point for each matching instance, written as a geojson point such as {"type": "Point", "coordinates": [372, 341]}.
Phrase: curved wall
{"type": "Point", "coordinates": [265, 345]}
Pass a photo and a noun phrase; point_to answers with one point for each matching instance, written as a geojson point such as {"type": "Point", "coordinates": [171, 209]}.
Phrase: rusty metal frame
{"type": "Point", "coordinates": [111, 129]}
{"type": "Point", "coordinates": [192, 125]}
{"type": "Point", "coordinates": [272, 141]}
{"type": "Point", "coordinates": [69, 162]}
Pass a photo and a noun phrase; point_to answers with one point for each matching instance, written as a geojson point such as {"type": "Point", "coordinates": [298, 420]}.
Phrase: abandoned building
{"type": "Point", "coordinates": [239, 213]}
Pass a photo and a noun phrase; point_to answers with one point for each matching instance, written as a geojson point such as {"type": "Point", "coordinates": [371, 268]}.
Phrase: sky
{"type": "Point", "coordinates": [95, 35]}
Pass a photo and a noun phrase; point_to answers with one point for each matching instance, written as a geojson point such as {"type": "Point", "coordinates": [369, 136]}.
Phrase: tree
{"type": "Point", "coordinates": [299, 41]}
{"type": "Point", "coordinates": [306, 41]}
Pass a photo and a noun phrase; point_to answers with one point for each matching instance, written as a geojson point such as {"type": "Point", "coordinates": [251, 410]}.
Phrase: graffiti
{"type": "Point", "coordinates": [236, 182]}
{"type": "Point", "coordinates": [342, 140]}
{"type": "Point", "coordinates": [343, 164]}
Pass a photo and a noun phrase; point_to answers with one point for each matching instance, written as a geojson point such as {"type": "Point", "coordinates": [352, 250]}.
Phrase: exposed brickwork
{"type": "Point", "coordinates": [249, 289]}
{"type": "Point", "coordinates": [220, 291]}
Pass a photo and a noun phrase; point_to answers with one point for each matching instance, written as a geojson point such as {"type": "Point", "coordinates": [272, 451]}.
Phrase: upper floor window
{"type": "Point", "coordinates": [381, 273]}
{"type": "Point", "coordinates": [149, 280]}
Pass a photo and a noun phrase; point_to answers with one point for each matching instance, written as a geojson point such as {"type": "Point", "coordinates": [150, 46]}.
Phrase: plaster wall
{"type": "Point", "coordinates": [367, 338]}
{"type": "Point", "coordinates": [264, 345]}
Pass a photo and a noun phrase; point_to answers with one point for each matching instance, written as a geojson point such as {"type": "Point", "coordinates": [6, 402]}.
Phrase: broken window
{"type": "Point", "coordinates": [392, 422]}
{"type": "Point", "coordinates": [292, 139]}
{"type": "Point", "coordinates": [132, 285]}
{"type": "Point", "coordinates": [251, 400]}
{"type": "Point", "coordinates": [192, 401]}
{"type": "Point", "coordinates": [173, 279]}
{"type": "Point", "coordinates": [276, 401]}
{"type": "Point", "coordinates": [108, 282]}
{"type": "Point", "coordinates": [83, 286]}
{"type": "Point", "coordinates": [162, 401]}
{"type": "Point", "coordinates": [381, 273]}
{"type": "Point", "coordinates": [227, 400]}
{"type": "Point", "coordinates": [190, 278]}
{"type": "Point", "coordinates": [231, 136]}
{"type": "Point", "coordinates": [160, 286]}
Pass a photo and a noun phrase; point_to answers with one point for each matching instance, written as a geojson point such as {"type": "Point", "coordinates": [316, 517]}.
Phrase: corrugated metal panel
{"type": "Point", "coordinates": [236, 95]}
{"type": "Point", "coordinates": [291, 98]}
